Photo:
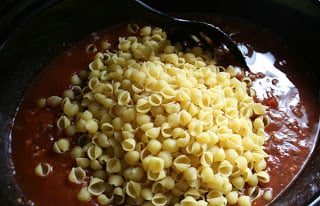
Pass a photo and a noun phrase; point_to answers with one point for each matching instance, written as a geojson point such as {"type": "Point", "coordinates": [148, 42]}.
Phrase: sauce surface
{"type": "Point", "coordinates": [285, 88]}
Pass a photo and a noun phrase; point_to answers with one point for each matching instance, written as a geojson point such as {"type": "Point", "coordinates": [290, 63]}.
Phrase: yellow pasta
{"type": "Point", "coordinates": [43, 169]}
{"type": "Point", "coordinates": [113, 165]}
{"type": "Point", "coordinates": [232, 197]}
{"type": "Point", "coordinates": [134, 173]}
{"type": "Point", "coordinates": [155, 100]}
{"type": "Point", "coordinates": [159, 199]}
{"type": "Point", "coordinates": [167, 158]}
{"type": "Point", "coordinates": [83, 162]}
{"type": "Point", "coordinates": [147, 126]}
{"type": "Point", "coordinates": [115, 180]}
{"type": "Point", "coordinates": [254, 192]}
{"type": "Point", "coordinates": [172, 107]}
{"type": "Point", "coordinates": [63, 122]}
{"type": "Point", "coordinates": [267, 195]}
{"type": "Point", "coordinates": [133, 189]}
{"type": "Point", "coordinates": [69, 108]}
{"type": "Point", "coordinates": [118, 195]}
{"type": "Point", "coordinates": [184, 117]}
{"type": "Point", "coordinates": [219, 155]}
{"type": "Point", "coordinates": [166, 129]}
{"type": "Point", "coordinates": [238, 182]}
{"type": "Point", "coordinates": [154, 146]}
{"type": "Point", "coordinates": [84, 194]}
{"type": "Point", "coordinates": [96, 165]}
{"type": "Point", "coordinates": [153, 133]}
{"type": "Point", "coordinates": [168, 93]}
{"type": "Point", "coordinates": [94, 152]}
{"type": "Point", "coordinates": [263, 176]}
{"type": "Point", "coordinates": [195, 127]}
{"type": "Point", "coordinates": [142, 118]}
{"type": "Point", "coordinates": [146, 193]}
{"type": "Point", "coordinates": [77, 175]}
{"type": "Point", "coordinates": [124, 98]}
{"type": "Point", "coordinates": [216, 182]}
{"type": "Point", "coordinates": [53, 101]}
{"type": "Point", "coordinates": [155, 164]}
{"type": "Point", "coordinates": [244, 201]}
{"type": "Point", "coordinates": [155, 176]}
{"type": "Point", "coordinates": [96, 186]}
{"type": "Point", "coordinates": [183, 139]}
{"type": "Point", "coordinates": [206, 174]}
{"type": "Point", "coordinates": [168, 183]}
{"type": "Point", "coordinates": [216, 198]}
{"type": "Point", "coordinates": [253, 180]}
{"type": "Point", "coordinates": [61, 146]}
{"type": "Point", "coordinates": [157, 187]}
{"type": "Point", "coordinates": [225, 168]}
{"type": "Point", "coordinates": [104, 199]}
{"type": "Point", "coordinates": [157, 125]}
{"type": "Point", "coordinates": [128, 144]}
{"type": "Point", "coordinates": [190, 173]}
{"type": "Point", "coordinates": [206, 158]}
{"type": "Point", "coordinates": [181, 163]}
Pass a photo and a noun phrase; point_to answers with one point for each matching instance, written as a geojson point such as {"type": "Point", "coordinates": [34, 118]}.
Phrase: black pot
{"type": "Point", "coordinates": [33, 32]}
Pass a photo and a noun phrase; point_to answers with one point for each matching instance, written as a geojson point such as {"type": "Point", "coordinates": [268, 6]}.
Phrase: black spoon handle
{"type": "Point", "coordinates": [143, 12]}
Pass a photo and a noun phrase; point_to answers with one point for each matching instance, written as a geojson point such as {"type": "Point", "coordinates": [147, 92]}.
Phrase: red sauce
{"type": "Point", "coordinates": [293, 110]}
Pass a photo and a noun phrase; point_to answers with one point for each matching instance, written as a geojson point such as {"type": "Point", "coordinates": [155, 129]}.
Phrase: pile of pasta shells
{"type": "Point", "coordinates": [154, 124]}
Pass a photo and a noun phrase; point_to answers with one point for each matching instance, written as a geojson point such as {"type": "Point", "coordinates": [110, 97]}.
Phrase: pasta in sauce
{"type": "Point", "coordinates": [182, 140]}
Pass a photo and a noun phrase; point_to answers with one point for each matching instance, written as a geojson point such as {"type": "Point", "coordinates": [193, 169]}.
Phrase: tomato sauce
{"type": "Point", "coordinates": [285, 88]}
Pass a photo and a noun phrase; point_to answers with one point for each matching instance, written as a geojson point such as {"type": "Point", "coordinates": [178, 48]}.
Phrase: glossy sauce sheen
{"type": "Point", "coordinates": [293, 109]}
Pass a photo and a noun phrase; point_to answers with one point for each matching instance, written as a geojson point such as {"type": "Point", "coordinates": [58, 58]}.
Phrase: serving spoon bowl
{"type": "Point", "coordinates": [190, 32]}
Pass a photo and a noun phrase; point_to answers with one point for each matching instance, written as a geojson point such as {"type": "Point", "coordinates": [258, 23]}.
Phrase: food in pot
{"type": "Point", "coordinates": [146, 122]}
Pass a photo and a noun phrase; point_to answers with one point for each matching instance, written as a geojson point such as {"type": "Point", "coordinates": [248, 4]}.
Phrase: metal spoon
{"type": "Point", "coordinates": [189, 32]}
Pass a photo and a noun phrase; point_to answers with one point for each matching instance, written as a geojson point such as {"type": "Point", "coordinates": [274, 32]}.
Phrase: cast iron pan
{"type": "Point", "coordinates": [33, 32]}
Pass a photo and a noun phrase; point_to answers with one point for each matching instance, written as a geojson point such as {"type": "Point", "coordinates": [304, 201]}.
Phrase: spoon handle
{"type": "Point", "coordinates": [144, 12]}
